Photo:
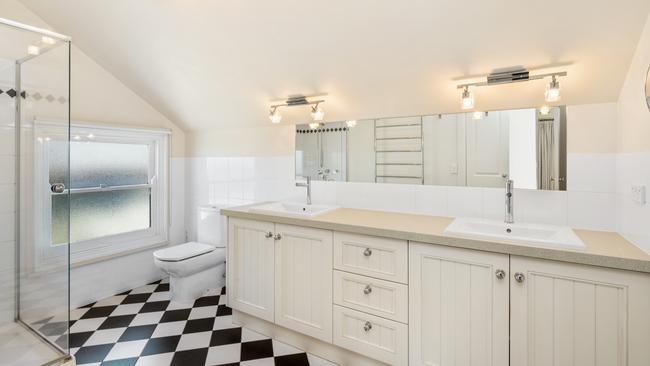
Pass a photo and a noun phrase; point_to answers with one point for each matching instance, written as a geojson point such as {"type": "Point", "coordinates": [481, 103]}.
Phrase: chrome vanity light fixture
{"type": "Point", "coordinates": [317, 113]}
{"type": "Point", "coordinates": [551, 94]}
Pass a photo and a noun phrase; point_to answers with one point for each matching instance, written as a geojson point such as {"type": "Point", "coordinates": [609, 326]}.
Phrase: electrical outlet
{"type": "Point", "coordinates": [638, 194]}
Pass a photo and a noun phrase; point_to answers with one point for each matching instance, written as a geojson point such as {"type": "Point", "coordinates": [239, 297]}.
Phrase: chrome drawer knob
{"type": "Point", "coordinates": [519, 277]}
{"type": "Point", "coordinates": [367, 252]}
{"type": "Point", "coordinates": [268, 235]}
{"type": "Point", "coordinates": [367, 326]}
{"type": "Point", "coordinates": [277, 237]}
{"type": "Point", "coordinates": [501, 274]}
{"type": "Point", "coordinates": [367, 290]}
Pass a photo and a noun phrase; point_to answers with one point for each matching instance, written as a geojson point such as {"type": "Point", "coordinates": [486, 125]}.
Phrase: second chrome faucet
{"type": "Point", "coordinates": [306, 184]}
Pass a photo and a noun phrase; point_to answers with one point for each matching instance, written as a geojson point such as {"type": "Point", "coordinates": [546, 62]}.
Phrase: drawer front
{"type": "Point", "coordinates": [371, 256]}
{"type": "Point", "coordinates": [378, 297]}
{"type": "Point", "coordinates": [372, 336]}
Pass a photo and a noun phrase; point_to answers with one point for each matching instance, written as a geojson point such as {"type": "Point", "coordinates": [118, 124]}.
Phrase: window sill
{"type": "Point", "coordinates": [122, 253]}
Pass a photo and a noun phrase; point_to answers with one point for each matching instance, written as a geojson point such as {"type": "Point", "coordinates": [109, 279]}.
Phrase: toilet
{"type": "Point", "coordinates": [199, 266]}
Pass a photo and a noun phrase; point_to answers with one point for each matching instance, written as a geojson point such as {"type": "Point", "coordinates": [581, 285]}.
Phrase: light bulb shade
{"type": "Point", "coordinates": [552, 93]}
{"type": "Point", "coordinates": [467, 99]}
{"type": "Point", "coordinates": [317, 113]}
{"type": "Point", "coordinates": [477, 115]}
{"type": "Point", "coordinates": [275, 116]}
{"type": "Point", "coordinates": [544, 110]}
{"type": "Point", "coordinates": [33, 50]}
{"type": "Point", "coordinates": [351, 123]}
{"type": "Point", "coordinates": [48, 40]}
{"type": "Point", "coordinates": [314, 125]}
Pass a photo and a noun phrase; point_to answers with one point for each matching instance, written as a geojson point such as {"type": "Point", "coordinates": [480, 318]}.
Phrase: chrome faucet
{"type": "Point", "coordinates": [306, 184]}
{"type": "Point", "coordinates": [510, 214]}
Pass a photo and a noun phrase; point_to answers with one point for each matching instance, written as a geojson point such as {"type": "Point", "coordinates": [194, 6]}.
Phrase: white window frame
{"type": "Point", "coordinates": [48, 255]}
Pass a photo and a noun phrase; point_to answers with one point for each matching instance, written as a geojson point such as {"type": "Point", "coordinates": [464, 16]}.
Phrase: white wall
{"type": "Point", "coordinates": [522, 148]}
{"type": "Point", "coordinates": [633, 159]}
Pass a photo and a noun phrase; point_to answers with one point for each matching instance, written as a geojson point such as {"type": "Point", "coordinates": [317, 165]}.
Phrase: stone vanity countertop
{"type": "Point", "coordinates": [604, 249]}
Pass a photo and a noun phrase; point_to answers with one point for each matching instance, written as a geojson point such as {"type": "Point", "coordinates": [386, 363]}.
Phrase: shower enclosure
{"type": "Point", "coordinates": [34, 171]}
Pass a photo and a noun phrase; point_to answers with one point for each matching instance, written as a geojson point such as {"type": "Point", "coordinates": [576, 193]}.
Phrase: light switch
{"type": "Point", "coordinates": [638, 194]}
{"type": "Point", "coordinates": [453, 168]}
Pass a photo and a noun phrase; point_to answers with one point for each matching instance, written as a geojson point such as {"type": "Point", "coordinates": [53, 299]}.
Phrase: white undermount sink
{"type": "Point", "coordinates": [535, 234]}
{"type": "Point", "coordinates": [295, 209]}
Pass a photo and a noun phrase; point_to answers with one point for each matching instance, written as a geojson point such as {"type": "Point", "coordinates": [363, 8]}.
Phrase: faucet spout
{"type": "Point", "coordinates": [306, 184]}
{"type": "Point", "coordinates": [510, 214]}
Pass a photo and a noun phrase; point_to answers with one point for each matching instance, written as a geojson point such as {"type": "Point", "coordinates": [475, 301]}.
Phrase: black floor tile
{"type": "Point", "coordinates": [154, 306]}
{"type": "Point", "coordinates": [92, 354]}
{"type": "Point", "coordinates": [137, 333]}
{"type": "Point", "coordinates": [99, 312]}
{"type": "Point", "coordinates": [175, 315]}
{"type": "Point", "coordinates": [190, 357]}
{"type": "Point", "coordinates": [206, 301]}
{"type": "Point", "coordinates": [162, 287]}
{"type": "Point", "coordinates": [119, 321]}
{"type": "Point", "coordinates": [122, 362]}
{"type": "Point", "coordinates": [54, 329]}
{"type": "Point", "coordinates": [223, 310]}
{"type": "Point", "coordinates": [198, 325]}
{"type": "Point", "coordinates": [256, 349]}
{"type": "Point", "coordinates": [161, 345]}
{"type": "Point", "coordinates": [298, 359]}
{"type": "Point", "coordinates": [225, 336]}
{"type": "Point", "coordinates": [78, 339]}
{"type": "Point", "coordinates": [136, 298]}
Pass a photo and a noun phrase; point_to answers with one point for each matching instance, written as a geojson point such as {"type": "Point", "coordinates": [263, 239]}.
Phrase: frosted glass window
{"type": "Point", "coordinates": [103, 212]}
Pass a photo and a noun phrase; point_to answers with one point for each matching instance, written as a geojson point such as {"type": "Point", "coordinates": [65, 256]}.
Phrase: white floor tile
{"type": "Point", "coordinates": [317, 361]}
{"type": "Point", "coordinates": [104, 336]}
{"type": "Point", "coordinates": [194, 340]}
{"type": "Point", "coordinates": [86, 325]}
{"type": "Point", "coordinates": [147, 318]}
{"type": "Point", "coordinates": [259, 362]}
{"type": "Point", "coordinates": [248, 335]}
{"type": "Point", "coordinates": [114, 300]}
{"type": "Point", "coordinates": [281, 349]}
{"type": "Point", "coordinates": [169, 329]}
{"type": "Point", "coordinates": [229, 353]}
{"type": "Point", "coordinates": [159, 296]}
{"type": "Point", "coordinates": [126, 350]}
{"type": "Point", "coordinates": [127, 309]}
{"type": "Point", "coordinates": [143, 289]}
{"type": "Point", "coordinates": [224, 322]}
{"type": "Point", "coordinates": [162, 359]}
{"type": "Point", "coordinates": [204, 312]}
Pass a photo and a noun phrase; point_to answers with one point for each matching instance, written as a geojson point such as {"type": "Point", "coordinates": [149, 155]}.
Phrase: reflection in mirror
{"type": "Point", "coordinates": [447, 149]}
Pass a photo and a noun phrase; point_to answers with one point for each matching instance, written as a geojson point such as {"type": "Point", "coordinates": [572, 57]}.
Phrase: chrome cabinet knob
{"type": "Point", "coordinates": [519, 277]}
{"type": "Point", "coordinates": [367, 252]}
{"type": "Point", "coordinates": [277, 237]}
{"type": "Point", "coordinates": [501, 274]}
{"type": "Point", "coordinates": [367, 290]}
{"type": "Point", "coordinates": [367, 326]}
{"type": "Point", "coordinates": [57, 188]}
{"type": "Point", "coordinates": [268, 235]}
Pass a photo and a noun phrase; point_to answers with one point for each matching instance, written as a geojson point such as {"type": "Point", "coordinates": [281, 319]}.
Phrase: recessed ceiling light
{"type": "Point", "coordinates": [33, 50]}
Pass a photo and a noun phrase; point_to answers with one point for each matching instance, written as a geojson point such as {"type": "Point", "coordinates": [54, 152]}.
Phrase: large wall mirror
{"type": "Point", "coordinates": [478, 149]}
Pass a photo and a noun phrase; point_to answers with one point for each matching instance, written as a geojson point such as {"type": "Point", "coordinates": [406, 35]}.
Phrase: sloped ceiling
{"type": "Point", "coordinates": [212, 64]}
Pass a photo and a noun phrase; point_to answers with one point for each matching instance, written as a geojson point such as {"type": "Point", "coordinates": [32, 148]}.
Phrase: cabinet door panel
{"type": "Point", "coordinates": [251, 267]}
{"type": "Point", "coordinates": [458, 308]}
{"type": "Point", "coordinates": [303, 280]}
{"type": "Point", "coordinates": [569, 314]}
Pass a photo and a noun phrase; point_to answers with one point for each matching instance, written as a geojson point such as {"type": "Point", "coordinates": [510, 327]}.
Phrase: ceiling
{"type": "Point", "coordinates": [213, 64]}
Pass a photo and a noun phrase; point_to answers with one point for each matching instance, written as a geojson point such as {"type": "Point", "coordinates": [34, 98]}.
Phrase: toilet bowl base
{"type": "Point", "coordinates": [186, 290]}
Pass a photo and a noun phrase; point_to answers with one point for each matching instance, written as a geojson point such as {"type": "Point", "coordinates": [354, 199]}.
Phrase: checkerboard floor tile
{"type": "Point", "coordinates": [142, 327]}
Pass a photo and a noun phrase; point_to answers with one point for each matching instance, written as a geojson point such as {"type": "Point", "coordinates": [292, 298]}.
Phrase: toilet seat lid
{"type": "Point", "coordinates": [182, 252]}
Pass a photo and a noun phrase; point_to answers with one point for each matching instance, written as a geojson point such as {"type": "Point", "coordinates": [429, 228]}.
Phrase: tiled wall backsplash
{"type": "Point", "coordinates": [633, 219]}
{"type": "Point", "coordinates": [589, 203]}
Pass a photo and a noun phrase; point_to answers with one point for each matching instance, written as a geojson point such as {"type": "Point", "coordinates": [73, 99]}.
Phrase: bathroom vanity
{"type": "Point", "coordinates": [365, 287]}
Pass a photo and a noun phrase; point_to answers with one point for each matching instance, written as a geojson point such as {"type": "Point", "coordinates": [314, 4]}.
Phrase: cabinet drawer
{"type": "Point", "coordinates": [372, 336]}
{"type": "Point", "coordinates": [371, 256]}
{"type": "Point", "coordinates": [378, 297]}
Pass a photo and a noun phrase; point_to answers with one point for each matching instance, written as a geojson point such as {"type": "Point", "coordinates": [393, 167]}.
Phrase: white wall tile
{"type": "Point", "coordinates": [465, 201]}
{"type": "Point", "coordinates": [7, 141]}
{"type": "Point", "coordinates": [431, 200]}
{"type": "Point", "coordinates": [588, 210]}
{"type": "Point", "coordinates": [372, 196]}
{"type": "Point", "coordinates": [494, 205]}
{"type": "Point", "coordinates": [591, 172]}
{"type": "Point", "coordinates": [544, 207]}
{"type": "Point", "coordinates": [7, 169]}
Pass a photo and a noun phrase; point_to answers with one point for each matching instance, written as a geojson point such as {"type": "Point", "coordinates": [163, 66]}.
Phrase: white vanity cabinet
{"type": "Point", "coordinates": [251, 267]}
{"type": "Point", "coordinates": [282, 274]}
{"type": "Point", "coordinates": [303, 280]}
{"type": "Point", "coordinates": [458, 306]}
{"type": "Point", "coordinates": [571, 314]}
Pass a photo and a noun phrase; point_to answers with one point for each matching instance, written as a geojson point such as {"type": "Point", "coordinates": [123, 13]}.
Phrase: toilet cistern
{"type": "Point", "coordinates": [306, 184]}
